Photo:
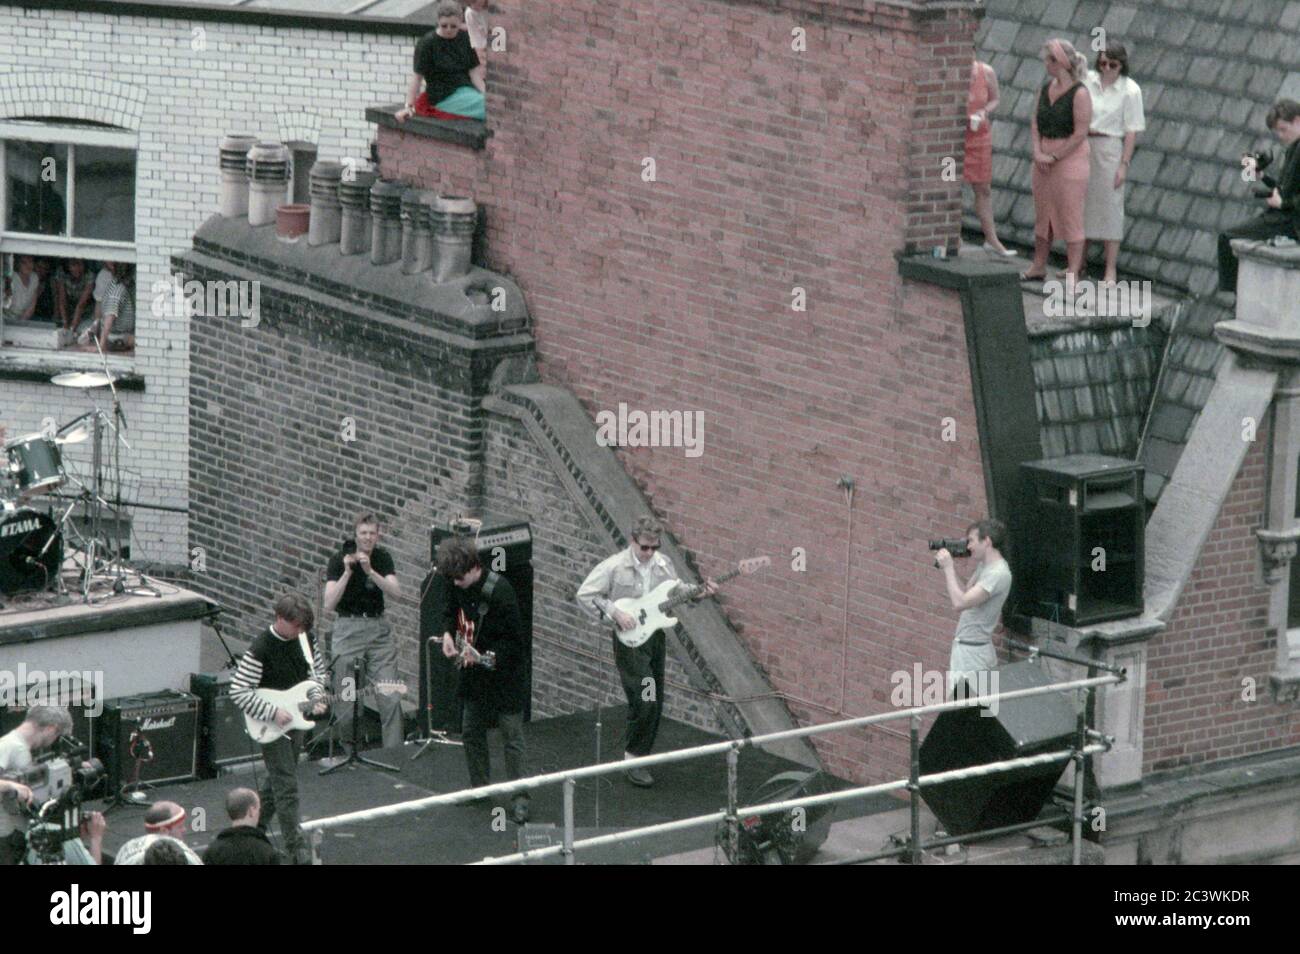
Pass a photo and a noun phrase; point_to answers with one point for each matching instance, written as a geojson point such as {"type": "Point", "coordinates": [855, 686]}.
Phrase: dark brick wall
{"type": "Point", "coordinates": [1217, 638]}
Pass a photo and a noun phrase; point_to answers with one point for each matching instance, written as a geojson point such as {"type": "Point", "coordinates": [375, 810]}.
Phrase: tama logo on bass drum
{"type": "Point", "coordinates": [19, 526]}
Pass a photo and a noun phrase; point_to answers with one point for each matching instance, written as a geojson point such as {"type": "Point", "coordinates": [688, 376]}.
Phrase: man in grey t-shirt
{"type": "Point", "coordinates": [980, 600]}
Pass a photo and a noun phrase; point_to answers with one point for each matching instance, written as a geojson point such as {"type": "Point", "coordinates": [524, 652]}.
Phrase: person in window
{"type": "Point", "coordinates": [115, 331]}
{"type": "Point", "coordinates": [24, 290]}
{"type": "Point", "coordinates": [103, 279]}
{"type": "Point", "coordinates": [73, 287]}
{"type": "Point", "coordinates": [452, 74]}
{"type": "Point", "coordinates": [45, 298]}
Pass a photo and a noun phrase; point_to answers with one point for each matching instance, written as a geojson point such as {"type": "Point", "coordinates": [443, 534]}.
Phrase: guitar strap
{"type": "Point", "coordinates": [489, 585]}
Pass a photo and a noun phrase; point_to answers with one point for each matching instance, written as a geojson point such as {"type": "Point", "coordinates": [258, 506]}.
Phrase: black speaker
{"type": "Point", "coordinates": [161, 729]}
{"type": "Point", "coordinates": [1085, 555]}
{"type": "Point", "coordinates": [962, 738]}
{"type": "Point", "coordinates": [505, 545]}
{"type": "Point", "coordinates": [222, 737]}
{"type": "Point", "coordinates": [790, 838]}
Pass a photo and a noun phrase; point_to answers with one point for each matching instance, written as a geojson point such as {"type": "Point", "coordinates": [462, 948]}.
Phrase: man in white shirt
{"type": "Point", "coordinates": [980, 601]}
{"type": "Point", "coordinates": [635, 572]}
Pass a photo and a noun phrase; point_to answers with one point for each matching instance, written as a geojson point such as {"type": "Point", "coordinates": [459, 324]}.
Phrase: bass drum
{"type": "Point", "coordinates": [31, 551]}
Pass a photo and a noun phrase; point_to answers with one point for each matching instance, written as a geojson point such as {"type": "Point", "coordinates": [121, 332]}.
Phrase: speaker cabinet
{"type": "Point", "coordinates": [66, 689]}
{"type": "Point", "coordinates": [505, 544]}
{"type": "Point", "coordinates": [222, 737]}
{"type": "Point", "coordinates": [1086, 549]}
{"type": "Point", "coordinates": [961, 738]}
{"type": "Point", "coordinates": [159, 729]}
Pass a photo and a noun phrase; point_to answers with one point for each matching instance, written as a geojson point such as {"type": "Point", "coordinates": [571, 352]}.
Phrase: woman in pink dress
{"type": "Point", "coordinates": [1061, 165]}
{"type": "Point", "coordinates": [977, 169]}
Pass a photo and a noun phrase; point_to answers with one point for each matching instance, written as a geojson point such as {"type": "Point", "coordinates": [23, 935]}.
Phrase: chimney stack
{"type": "Point", "coordinates": [326, 214]}
{"type": "Point", "coordinates": [268, 177]}
{"type": "Point", "coordinates": [386, 221]}
{"type": "Point", "coordinates": [354, 200]}
{"type": "Point", "coordinates": [234, 175]}
{"type": "Point", "coordinates": [452, 218]}
{"type": "Point", "coordinates": [417, 240]}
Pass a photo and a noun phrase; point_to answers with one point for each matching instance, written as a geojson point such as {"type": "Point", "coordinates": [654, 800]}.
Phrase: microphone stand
{"type": "Point", "coordinates": [355, 755]}
{"type": "Point", "coordinates": [436, 736]}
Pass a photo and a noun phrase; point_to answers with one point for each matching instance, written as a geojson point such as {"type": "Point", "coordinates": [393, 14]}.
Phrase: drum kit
{"type": "Point", "coordinates": [32, 542]}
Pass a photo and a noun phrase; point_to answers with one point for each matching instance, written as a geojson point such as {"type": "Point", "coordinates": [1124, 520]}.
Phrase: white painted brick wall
{"type": "Point", "coordinates": [250, 79]}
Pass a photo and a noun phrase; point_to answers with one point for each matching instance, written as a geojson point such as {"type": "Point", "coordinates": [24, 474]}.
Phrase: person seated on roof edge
{"type": "Point", "coordinates": [452, 72]}
{"type": "Point", "coordinates": [1283, 214]}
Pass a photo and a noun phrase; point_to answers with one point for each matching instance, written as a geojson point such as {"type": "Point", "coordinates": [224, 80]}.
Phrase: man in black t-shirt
{"type": "Point", "coordinates": [360, 576]}
{"type": "Point", "coordinates": [276, 660]}
{"type": "Point", "coordinates": [450, 70]}
{"type": "Point", "coordinates": [492, 694]}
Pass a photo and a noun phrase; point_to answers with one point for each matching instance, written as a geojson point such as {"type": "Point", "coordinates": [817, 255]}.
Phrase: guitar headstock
{"type": "Point", "coordinates": [753, 565]}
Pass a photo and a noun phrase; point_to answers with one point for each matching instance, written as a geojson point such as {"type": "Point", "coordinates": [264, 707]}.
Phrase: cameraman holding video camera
{"type": "Point", "coordinates": [1282, 196]}
{"type": "Point", "coordinates": [42, 727]}
{"type": "Point", "coordinates": [980, 600]}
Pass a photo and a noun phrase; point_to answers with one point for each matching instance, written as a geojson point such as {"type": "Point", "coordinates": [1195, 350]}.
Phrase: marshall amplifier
{"type": "Point", "coordinates": [222, 737]}
{"type": "Point", "coordinates": [159, 729]}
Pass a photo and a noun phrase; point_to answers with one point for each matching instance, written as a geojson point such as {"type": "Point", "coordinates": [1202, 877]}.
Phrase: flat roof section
{"type": "Point", "coordinates": [363, 16]}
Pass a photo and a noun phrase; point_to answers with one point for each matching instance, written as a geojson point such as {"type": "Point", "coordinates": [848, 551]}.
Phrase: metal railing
{"type": "Point", "coordinates": [1086, 743]}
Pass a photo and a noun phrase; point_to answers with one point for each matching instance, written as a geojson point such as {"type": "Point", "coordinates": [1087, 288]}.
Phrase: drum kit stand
{"type": "Point", "coordinates": [32, 542]}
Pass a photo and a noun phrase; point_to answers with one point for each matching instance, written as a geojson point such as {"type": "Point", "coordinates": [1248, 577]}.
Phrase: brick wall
{"type": "Point", "coordinates": [1218, 638]}
{"type": "Point", "coordinates": [774, 170]}
{"type": "Point", "coordinates": [146, 75]}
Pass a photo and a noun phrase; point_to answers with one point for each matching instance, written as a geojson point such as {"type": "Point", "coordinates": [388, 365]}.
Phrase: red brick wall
{"type": "Point", "coordinates": [1217, 638]}
{"type": "Point", "coordinates": [775, 169]}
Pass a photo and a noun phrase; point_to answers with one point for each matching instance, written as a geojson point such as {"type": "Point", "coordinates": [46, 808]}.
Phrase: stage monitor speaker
{"type": "Point", "coordinates": [223, 739]}
{"type": "Point", "coordinates": [1085, 554]}
{"type": "Point", "coordinates": [976, 735]}
{"type": "Point", "coordinates": [791, 838]}
{"type": "Point", "coordinates": [505, 543]}
{"type": "Point", "coordinates": [634, 851]}
{"type": "Point", "coordinates": [160, 729]}
{"type": "Point", "coordinates": [69, 691]}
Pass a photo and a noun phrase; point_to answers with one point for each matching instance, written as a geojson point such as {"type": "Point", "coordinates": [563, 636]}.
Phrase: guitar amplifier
{"type": "Point", "coordinates": [160, 728]}
{"type": "Point", "coordinates": [222, 738]}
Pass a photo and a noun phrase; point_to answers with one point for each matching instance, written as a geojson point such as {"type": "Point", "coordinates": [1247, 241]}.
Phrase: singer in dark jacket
{"type": "Point", "coordinates": [492, 694]}
{"type": "Point", "coordinates": [1283, 214]}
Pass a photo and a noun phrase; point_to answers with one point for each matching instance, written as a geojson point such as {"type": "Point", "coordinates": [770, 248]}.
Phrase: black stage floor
{"type": "Point", "coordinates": [466, 833]}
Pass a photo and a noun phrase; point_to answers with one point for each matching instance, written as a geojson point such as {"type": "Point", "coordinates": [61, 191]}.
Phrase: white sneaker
{"type": "Point", "coordinates": [1005, 253]}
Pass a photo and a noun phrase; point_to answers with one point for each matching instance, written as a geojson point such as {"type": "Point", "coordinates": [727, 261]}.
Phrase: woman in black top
{"type": "Point", "coordinates": [450, 70]}
{"type": "Point", "coordinates": [1061, 168]}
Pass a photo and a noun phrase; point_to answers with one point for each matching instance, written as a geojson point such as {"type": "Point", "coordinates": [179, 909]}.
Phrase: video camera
{"type": "Point", "coordinates": [958, 547]}
{"type": "Point", "coordinates": [59, 787]}
{"type": "Point", "coordinates": [1260, 161]}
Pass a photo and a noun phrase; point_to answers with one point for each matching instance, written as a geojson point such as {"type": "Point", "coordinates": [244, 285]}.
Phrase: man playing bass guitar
{"type": "Point", "coordinates": [635, 572]}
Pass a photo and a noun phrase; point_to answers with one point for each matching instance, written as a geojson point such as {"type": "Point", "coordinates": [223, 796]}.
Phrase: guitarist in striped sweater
{"type": "Point", "coordinates": [280, 658]}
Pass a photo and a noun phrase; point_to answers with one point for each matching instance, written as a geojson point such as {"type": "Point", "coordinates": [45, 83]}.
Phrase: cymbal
{"type": "Point", "coordinates": [75, 436]}
{"type": "Point", "coordinates": [83, 379]}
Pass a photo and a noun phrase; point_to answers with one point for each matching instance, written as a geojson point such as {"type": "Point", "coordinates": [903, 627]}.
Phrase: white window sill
{"type": "Point", "coordinates": [39, 364]}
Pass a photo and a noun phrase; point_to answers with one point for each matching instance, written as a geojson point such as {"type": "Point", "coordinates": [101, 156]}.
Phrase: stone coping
{"type": "Point", "coordinates": [459, 132]}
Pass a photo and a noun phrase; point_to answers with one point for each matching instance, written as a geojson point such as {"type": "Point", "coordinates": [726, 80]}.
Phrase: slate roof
{"type": "Point", "coordinates": [1187, 376]}
{"type": "Point", "coordinates": [1209, 71]}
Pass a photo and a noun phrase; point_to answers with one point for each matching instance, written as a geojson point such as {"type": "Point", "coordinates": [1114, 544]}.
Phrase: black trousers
{"type": "Point", "coordinates": [279, 792]}
{"type": "Point", "coordinates": [478, 719]}
{"type": "Point", "coordinates": [1265, 226]}
{"type": "Point", "coordinates": [641, 670]}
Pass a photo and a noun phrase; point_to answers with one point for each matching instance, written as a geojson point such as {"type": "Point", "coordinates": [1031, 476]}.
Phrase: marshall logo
{"type": "Point", "coordinates": [19, 526]}
{"type": "Point", "coordinates": [151, 724]}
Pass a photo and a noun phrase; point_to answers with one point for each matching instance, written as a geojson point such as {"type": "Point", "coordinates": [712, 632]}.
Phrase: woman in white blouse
{"type": "Point", "coordinates": [1117, 118]}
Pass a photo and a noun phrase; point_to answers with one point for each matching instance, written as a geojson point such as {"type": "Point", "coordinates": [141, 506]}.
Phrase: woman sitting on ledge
{"type": "Point", "coordinates": [451, 71]}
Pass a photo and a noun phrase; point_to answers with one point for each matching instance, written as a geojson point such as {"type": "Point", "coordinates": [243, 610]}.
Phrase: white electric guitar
{"type": "Point", "coordinates": [295, 702]}
{"type": "Point", "coordinates": [651, 611]}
